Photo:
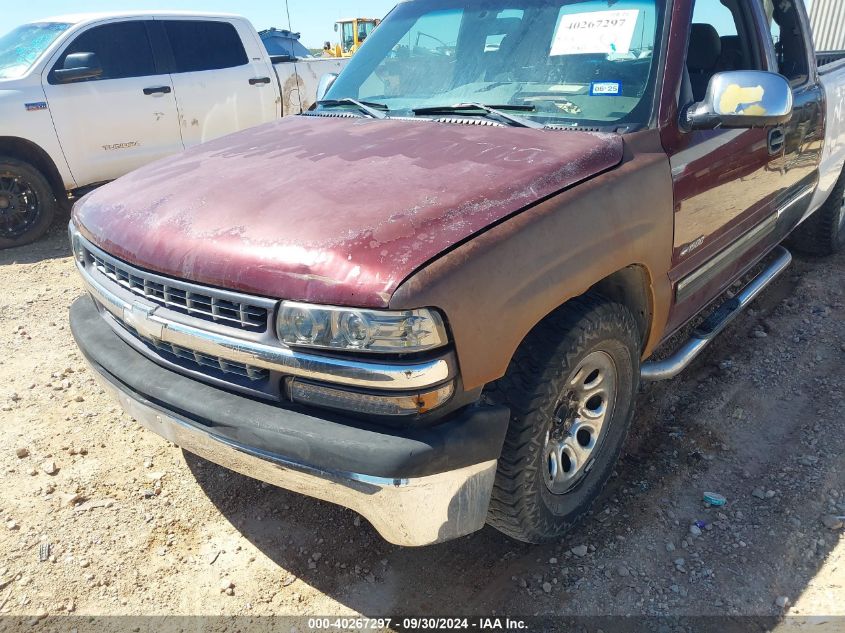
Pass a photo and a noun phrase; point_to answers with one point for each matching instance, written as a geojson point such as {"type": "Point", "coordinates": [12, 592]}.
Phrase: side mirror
{"type": "Point", "coordinates": [79, 66]}
{"type": "Point", "coordinates": [326, 82]}
{"type": "Point", "coordinates": [335, 27]}
{"type": "Point", "coordinates": [742, 99]}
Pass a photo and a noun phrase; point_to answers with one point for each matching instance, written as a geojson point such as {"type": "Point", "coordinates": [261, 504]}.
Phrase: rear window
{"type": "Point", "coordinates": [199, 46]}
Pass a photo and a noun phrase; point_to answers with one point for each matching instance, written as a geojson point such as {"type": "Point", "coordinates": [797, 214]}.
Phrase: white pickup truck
{"type": "Point", "coordinates": [85, 99]}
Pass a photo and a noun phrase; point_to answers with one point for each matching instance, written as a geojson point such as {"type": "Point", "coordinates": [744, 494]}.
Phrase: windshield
{"type": "Point", "coordinates": [566, 62]}
{"type": "Point", "coordinates": [20, 48]}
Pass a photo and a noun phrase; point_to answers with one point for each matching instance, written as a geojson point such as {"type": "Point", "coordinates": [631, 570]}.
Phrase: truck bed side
{"type": "Point", "coordinates": [298, 81]}
{"type": "Point", "coordinates": [832, 77]}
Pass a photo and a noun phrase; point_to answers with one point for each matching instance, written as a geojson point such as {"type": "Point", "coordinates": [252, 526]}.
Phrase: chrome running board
{"type": "Point", "coordinates": [716, 322]}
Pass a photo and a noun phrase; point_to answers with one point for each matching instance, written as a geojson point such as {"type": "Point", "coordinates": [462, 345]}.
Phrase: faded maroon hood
{"type": "Point", "coordinates": [331, 210]}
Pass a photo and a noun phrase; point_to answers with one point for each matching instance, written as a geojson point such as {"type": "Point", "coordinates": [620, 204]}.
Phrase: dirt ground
{"type": "Point", "coordinates": [99, 517]}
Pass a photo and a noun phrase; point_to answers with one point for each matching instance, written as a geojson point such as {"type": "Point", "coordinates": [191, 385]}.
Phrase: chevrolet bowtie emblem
{"type": "Point", "coordinates": [140, 318]}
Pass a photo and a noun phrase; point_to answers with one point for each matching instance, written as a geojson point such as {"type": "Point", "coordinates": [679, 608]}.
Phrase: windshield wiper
{"type": "Point", "coordinates": [470, 109]}
{"type": "Point", "coordinates": [374, 110]}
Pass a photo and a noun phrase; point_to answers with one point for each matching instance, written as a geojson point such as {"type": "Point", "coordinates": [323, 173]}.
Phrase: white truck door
{"type": "Point", "coordinates": [121, 120]}
{"type": "Point", "coordinates": [221, 86]}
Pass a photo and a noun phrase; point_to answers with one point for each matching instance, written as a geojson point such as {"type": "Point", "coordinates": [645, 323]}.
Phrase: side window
{"type": "Point", "coordinates": [123, 50]}
{"type": "Point", "coordinates": [364, 30]}
{"type": "Point", "coordinates": [788, 40]}
{"type": "Point", "coordinates": [201, 45]}
{"type": "Point", "coordinates": [718, 42]}
{"type": "Point", "coordinates": [715, 13]}
{"type": "Point", "coordinates": [348, 36]}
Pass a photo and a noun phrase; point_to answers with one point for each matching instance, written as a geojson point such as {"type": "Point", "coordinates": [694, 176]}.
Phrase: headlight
{"type": "Point", "coordinates": [329, 327]}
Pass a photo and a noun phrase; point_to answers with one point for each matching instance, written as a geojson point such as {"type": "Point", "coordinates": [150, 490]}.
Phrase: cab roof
{"type": "Point", "coordinates": [80, 18]}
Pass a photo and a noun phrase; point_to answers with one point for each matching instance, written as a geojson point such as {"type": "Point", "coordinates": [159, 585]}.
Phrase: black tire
{"type": "Point", "coordinates": [523, 505]}
{"type": "Point", "coordinates": [27, 203]}
{"type": "Point", "coordinates": [823, 233]}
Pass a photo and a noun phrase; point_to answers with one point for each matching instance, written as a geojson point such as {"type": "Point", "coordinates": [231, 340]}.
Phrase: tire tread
{"type": "Point", "coordinates": [46, 196]}
{"type": "Point", "coordinates": [818, 235]}
{"type": "Point", "coordinates": [527, 388]}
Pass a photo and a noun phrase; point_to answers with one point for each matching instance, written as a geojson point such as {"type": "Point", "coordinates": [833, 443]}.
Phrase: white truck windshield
{"type": "Point", "coordinates": [570, 62]}
{"type": "Point", "coordinates": [21, 48]}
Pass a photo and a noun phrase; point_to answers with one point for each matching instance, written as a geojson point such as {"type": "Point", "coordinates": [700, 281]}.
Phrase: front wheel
{"type": "Point", "coordinates": [27, 203]}
{"type": "Point", "coordinates": [570, 388]}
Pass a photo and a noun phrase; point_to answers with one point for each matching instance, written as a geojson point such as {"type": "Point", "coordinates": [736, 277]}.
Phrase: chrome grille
{"type": "Point", "coordinates": [197, 358]}
{"type": "Point", "coordinates": [203, 305]}
{"type": "Point", "coordinates": [226, 366]}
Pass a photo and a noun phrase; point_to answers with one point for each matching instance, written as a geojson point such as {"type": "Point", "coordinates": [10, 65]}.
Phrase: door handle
{"type": "Point", "coordinates": [259, 80]}
{"type": "Point", "coordinates": [160, 90]}
{"type": "Point", "coordinates": [777, 139]}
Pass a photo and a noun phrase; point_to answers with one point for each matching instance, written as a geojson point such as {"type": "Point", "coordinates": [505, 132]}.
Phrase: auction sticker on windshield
{"type": "Point", "coordinates": [608, 32]}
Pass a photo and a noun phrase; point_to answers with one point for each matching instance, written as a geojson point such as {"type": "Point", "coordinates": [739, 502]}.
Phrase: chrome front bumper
{"type": "Point", "coordinates": [417, 486]}
{"type": "Point", "coordinates": [410, 512]}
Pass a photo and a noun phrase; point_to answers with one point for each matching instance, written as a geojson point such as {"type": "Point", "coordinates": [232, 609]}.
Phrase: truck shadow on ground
{"type": "Point", "coordinates": [712, 429]}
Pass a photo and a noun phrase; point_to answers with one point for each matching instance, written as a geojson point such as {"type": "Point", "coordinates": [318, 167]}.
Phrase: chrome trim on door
{"type": "Point", "coordinates": [798, 197]}
{"type": "Point", "coordinates": [703, 275]}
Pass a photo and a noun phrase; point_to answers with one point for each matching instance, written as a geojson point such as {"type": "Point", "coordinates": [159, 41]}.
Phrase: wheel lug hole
{"type": "Point", "coordinates": [584, 437]}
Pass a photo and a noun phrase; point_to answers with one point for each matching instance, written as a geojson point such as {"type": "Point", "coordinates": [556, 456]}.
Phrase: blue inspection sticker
{"type": "Point", "coordinates": [605, 89]}
{"type": "Point", "coordinates": [35, 107]}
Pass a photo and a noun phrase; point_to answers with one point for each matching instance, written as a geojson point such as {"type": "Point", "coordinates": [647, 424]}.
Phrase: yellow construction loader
{"type": "Point", "coordinates": [353, 32]}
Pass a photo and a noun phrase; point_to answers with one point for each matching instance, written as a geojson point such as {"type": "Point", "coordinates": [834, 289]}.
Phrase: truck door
{"type": "Point", "coordinates": [220, 87]}
{"type": "Point", "coordinates": [726, 182]}
{"type": "Point", "coordinates": [121, 120]}
{"type": "Point", "coordinates": [803, 136]}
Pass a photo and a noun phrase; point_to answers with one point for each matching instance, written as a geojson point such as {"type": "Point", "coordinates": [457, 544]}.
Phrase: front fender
{"type": "Point", "coordinates": [496, 287]}
{"type": "Point", "coordinates": [25, 121]}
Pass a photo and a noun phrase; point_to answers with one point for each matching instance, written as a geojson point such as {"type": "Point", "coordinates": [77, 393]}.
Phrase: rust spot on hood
{"type": "Point", "coordinates": [335, 211]}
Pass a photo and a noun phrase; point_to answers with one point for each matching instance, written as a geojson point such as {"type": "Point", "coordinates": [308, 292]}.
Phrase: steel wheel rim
{"type": "Point", "coordinates": [580, 422]}
{"type": "Point", "coordinates": [19, 208]}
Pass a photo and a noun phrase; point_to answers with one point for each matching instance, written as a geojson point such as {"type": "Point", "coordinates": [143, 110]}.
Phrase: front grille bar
{"type": "Point", "coordinates": [153, 326]}
{"type": "Point", "coordinates": [405, 376]}
{"type": "Point", "coordinates": [215, 362]}
{"type": "Point", "coordinates": [197, 301]}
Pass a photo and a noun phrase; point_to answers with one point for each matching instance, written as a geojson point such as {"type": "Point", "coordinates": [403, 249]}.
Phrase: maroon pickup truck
{"type": "Point", "coordinates": [432, 298]}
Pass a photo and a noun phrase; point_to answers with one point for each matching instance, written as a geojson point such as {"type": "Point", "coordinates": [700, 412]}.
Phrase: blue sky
{"type": "Point", "coordinates": [313, 18]}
